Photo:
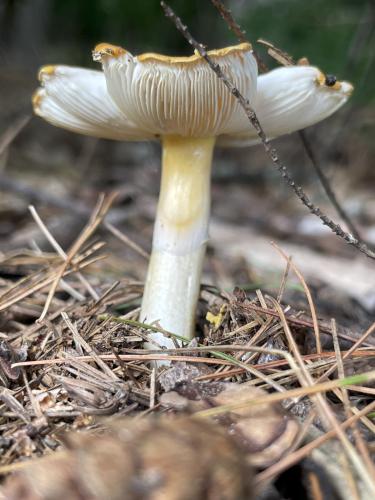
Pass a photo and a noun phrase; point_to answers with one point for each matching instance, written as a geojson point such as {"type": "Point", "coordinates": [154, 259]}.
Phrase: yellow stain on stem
{"type": "Point", "coordinates": [185, 177]}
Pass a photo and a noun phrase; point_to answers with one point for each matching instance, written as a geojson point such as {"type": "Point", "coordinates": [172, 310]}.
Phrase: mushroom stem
{"type": "Point", "coordinates": [180, 237]}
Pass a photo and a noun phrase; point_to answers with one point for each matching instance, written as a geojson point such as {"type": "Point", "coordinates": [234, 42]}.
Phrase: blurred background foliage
{"type": "Point", "coordinates": [54, 168]}
{"type": "Point", "coordinates": [336, 35]}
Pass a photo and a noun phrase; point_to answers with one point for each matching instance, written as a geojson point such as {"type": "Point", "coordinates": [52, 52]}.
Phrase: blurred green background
{"type": "Point", "coordinates": [62, 173]}
{"type": "Point", "coordinates": [337, 35]}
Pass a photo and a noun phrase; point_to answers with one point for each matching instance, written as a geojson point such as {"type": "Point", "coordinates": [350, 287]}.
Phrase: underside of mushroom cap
{"type": "Point", "coordinates": [179, 95]}
{"type": "Point", "coordinates": [77, 99]}
{"type": "Point", "coordinates": [287, 99]}
{"type": "Point", "coordinates": [290, 98]}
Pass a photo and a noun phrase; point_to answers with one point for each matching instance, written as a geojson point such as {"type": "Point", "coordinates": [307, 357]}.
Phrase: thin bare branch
{"type": "Point", "coordinates": [226, 14]}
{"type": "Point", "coordinates": [327, 186]}
{"type": "Point", "coordinates": [99, 213]}
{"type": "Point", "coordinates": [125, 239]}
{"type": "Point", "coordinates": [271, 151]}
{"type": "Point", "coordinates": [12, 132]}
{"type": "Point", "coordinates": [285, 59]}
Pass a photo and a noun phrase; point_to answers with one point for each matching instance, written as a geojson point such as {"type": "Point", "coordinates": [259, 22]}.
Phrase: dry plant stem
{"type": "Point", "coordinates": [226, 14]}
{"type": "Point", "coordinates": [64, 285]}
{"type": "Point", "coordinates": [326, 185]}
{"type": "Point", "coordinates": [271, 152]}
{"type": "Point", "coordinates": [78, 339]}
{"type": "Point", "coordinates": [325, 410]}
{"type": "Point", "coordinates": [43, 282]}
{"type": "Point", "coordinates": [304, 323]}
{"type": "Point", "coordinates": [180, 236]}
{"type": "Point", "coordinates": [100, 211]}
{"type": "Point", "coordinates": [236, 28]}
{"type": "Point", "coordinates": [278, 396]}
{"type": "Point", "coordinates": [216, 351]}
{"type": "Point", "coordinates": [276, 53]}
{"type": "Point", "coordinates": [308, 296]}
{"type": "Point", "coordinates": [219, 410]}
{"type": "Point", "coordinates": [12, 132]}
{"type": "Point", "coordinates": [59, 250]}
{"type": "Point", "coordinates": [361, 446]}
{"type": "Point", "coordinates": [346, 354]}
{"type": "Point", "coordinates": [321, 402]}
{"type": "Point", "coordinates": [127, 357]}
{"type": "Point", "coordinates": [283, 362]}
{"type": "Point", "coordinates": [125, 239]}
{"type": "Point", "coordinates": [343, 395]}
{"type": "Point", "coordinates": [34, 402]}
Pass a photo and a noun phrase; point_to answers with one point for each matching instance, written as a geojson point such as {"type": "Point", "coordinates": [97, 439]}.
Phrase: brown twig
{"type": "Point", "coordinates": [126, 357]}
{"type": "Point", "coordinates": [59, 250]}
{"type": "Point", "coordinates": [304, 323]}
{"type": "Point", "coordinates": [125, 239]}
{"type": "Point", "coordinates": [226, 14]}
{"type": "Point", "coordinates": [12, 132]}
{"type": "Point", "coordinates": [308, 296]}
{"type": "Point", "coordinates": [285, 59]}
{"type": "Point", "coordinates": [344, 397]}
{"type": "Point", "coordinates": [42, 281]}
{"type": "Point", "coordinates": [355, 346]}
{"type": "Point", "coordinates": [321, 402]}
{"type": "Point", "coordinates": [271, 152]}
{"type": "Point", "coordinates": [326, 185]}
{"type": "Point", "coordinates": [276, 53]}
{"type": "Point", "coordinates": [101, 210]}
{"type": "Point", "coordinates": [282, 362]}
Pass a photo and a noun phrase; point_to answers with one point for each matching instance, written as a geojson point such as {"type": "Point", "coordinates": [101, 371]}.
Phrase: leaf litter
{"type": "Point", "coordinates": [68, 359]}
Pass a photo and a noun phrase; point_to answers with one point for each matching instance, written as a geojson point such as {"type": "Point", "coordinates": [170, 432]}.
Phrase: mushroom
{"type": "Point", "coordinates": [182, 103]}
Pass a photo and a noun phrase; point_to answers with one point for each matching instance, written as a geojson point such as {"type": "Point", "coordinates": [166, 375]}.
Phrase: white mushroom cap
{"type": "Point", "coordinates": [179, 95]}
{"type": "Point", "coordinates": [290, 98]}
{"type": "Point", "coordinates": [145, 97]}
{"type": "Point", "coordinates": [77, 99]}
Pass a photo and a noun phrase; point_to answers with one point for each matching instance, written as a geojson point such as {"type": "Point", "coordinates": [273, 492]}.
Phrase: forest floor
{"type": "Point", "coordinates": [71, 279]}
